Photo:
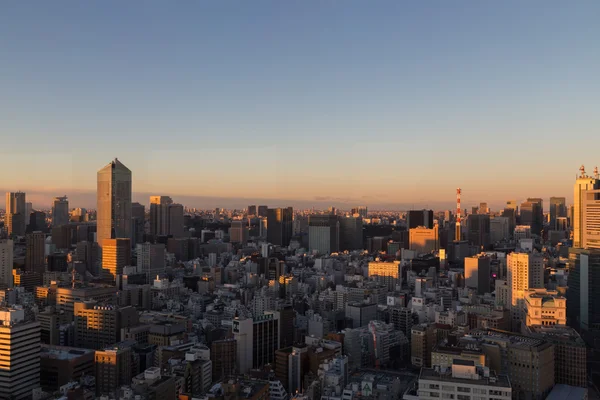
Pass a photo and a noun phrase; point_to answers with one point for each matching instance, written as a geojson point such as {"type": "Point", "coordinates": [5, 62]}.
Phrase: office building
{"type": "Point", "coordinates": [88, 253]}
{"type": "Point", "coordinates": [20, 338]}
{"type": "Point", "coordinates": [323, 234]}
{"type": "Point", "coordinates": [499, 229]}
{"type": "Point", "coordinates": [582, 183]}
{"type": "Point", "coordinates": [525, 271]}
{"type": "Point", "coordinates": [138, 223]}
{"type": "Point", "coordinates": [6, 263]}
{"type": "Point", "coordinates": [113, 212]}
{"type": "Point", "coordinates": [66, 297]}
{"type": "Point", "coordinates": [238, 233]}
{"type": "Point", "coordinates": [483, 208]}
{"type": "Point", "coordinates": [419, 218]}
{"type": "Point", "coordinates": [151, 259]}
{"type": "Point", "coordinates": [423, 338]}
{"type": "Point", "coordinates": [478, 273]}
{"type": "Point", "coordinates": [424, 240]}
{"type": "Point", "coordinates": [223, 354]}
{"type": "Point", "coordinates": [385, 273]}
{"type": "Point", "coordinates": [478, 227]}
{"type": "Point", "coordinates": [502, 293]}
{"type": "Point", "coordinates": [60, 211]}
{"type": "Point", "coordinates": [176, 220]}
{"type": "Point", "coordinates": [35, 243]}
{"type": "Point", "coordinates": [558, 209]}
{"type": "Point", "coordinates": [570, 353]}
{"type": "Point", "coordinates": [361, 314]}
{"type": "Point", "coordinates": [532, 215]}
{"type": "Point", "coordinates": [16, 211]}
{"type": "Point", "coordinates": [263, 211]}
{"type": "Point", "coordinates": [152, 385]}
{"type": "Point", "coordinates": [590, 228]}
{"type": "Point", "coordinates": [113, 368]}
{"type": "Point", "coordinates": [280, 226]}
{"type": "Point", "coordinates": [37, 222]}
{"type": "Point", "coordinates": [252, 211]}
{"type": "Point", "coordinates": [583, 293]}
{"type": "Point", "coordinates": [98, 326]}
{"type": "Point", "coordinates": [61, 365]}
{"type": "Point", "coordinates": [116, 254]}
{"type": "Point", "coordinates": [159, 215]}
{"type": "Point", "coordinates": [257, 340]}
{"type": "Point", "coordinates": [360, 211]}
{"type": "Point", "coordinates": [461, 380]}
{"type": "Point", "coordinates": [351, 233]}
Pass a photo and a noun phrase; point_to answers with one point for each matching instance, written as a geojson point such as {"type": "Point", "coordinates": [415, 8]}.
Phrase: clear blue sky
{"type": "Point", "coordinates": [378, 102]}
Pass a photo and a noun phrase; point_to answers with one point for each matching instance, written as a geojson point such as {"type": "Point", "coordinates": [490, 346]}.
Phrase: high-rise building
{"type": "Point", "coordinates": [20, 338]}
{"type": "Point", "coordinates": [361, 313]}
{"type": "Point", "coordinates": [251, 210]}
{"type": "Point", "coordinates": [530, 216]}
{"type": "Point", "coordinates": [113, 368]}
{"type": "Point", "coordinates": [525, 271]}
{"type": "Point", "coordinates": [61, 365]}
{"type": "Point", "coordinates": [478, 226]}
{"type": "Point", "coordinates": [360, 211]}
{"type": "Point", "coordinates": [223, 354]}
{"type": "Point", "coordinates": [6, 263]}
{"type": "Point", "coordinates": [590, 229]}
{"type": "Point", "coordinates": [176, 220]}
{"type": "Point", "coordinates": [257, 340]}
{"type": "Point", "coordinates": [511, 214]}
{"type": "Point", "coordinates": [159, 215]}
{"type": "Point", "coordinates": [417, 218]}
{"type": "Point", "coordinates": [280, 226]}
{"type": "Point", "coordinates": [238, 233]}
{"type": "Point", "coordinates": [424, 240]}
{"type": "Point", "coordinates": [151, 259]}
{"type": "Point", "coordinates": [28, 211]}
{"type": "Point", "coordinates": [351, 233]}
{"type": "Point", "coordinates": [263, 211]}
{"type": "Point", "coordinates": [16, 213]}
{"type": "Point", "coordinates": [582, 184]}
{"type": "Point", "coordinates": [583, 293]}
{"type": "Point", "coordinates": [99, 325]}
{"type": "Point", "coordinates": [35, 243]}
{"type": "Point", "coordinates": [60, 211]}
{"type": "Point", "coordinates": [558, 208]}
{"type": "Point", "coordinates": [477, 273]}
{"type": "Point", "coordinates": [422, 342]}
{"type": "Point", "coordinates": [499, 229]}
{"type": "Point", "coordinates": [88, 253]}
{"type": "Point", "coordinates": [114, 202]}
{"type": "Point", "coordinates": [116, 253]}
{"type": "Point", "coordinates": [138, 221]}
{"type": "Point", "coordinates": [323, 233]}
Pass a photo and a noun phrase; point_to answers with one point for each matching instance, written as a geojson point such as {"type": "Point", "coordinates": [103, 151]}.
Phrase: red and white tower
{"type": "Point", "coordinates": [457, 236]}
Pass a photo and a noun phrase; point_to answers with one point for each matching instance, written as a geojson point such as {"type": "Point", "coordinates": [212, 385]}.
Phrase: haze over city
{"type": "Point", "coordinates": [393, 104]}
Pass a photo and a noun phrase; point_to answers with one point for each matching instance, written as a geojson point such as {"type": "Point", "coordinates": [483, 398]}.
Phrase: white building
{"type": "Point", "coordinates": [525, 271]}
{"type": "Point", "coordinates": [257, 340]}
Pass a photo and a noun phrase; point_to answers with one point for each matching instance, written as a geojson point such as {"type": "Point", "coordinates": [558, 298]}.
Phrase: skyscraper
{"type": "Point", "coordinates": [60, 211]}
{"type": "Point", "coordinates": [351, 233]}
{"type": "Point", "coordinates": [532, 215]}
{"type": "Point", "coordinates": [159, 215]}
{"type": "Point", "coordinates": [477, 273]}
{"type": "Point", "coordinates": [114, 202]}
{"type": "Point", "coordinates": [138, 220]}
{"type": "Point", "coordinates": [582, 183]}
{"type": "Point", "coordinates": [478, 226]}
{"type": "Point", "coordinates": [20, 372]}
{"type": "Point", "coordinates": [16, 210]}
{"type": "Point", "coordinates": [35, 243]}
{"type": "Point", "coordinates": [116, 253]}
{"type": "Point", "coordinates": [417, 218]}
{"type": "Point", "coordinates": [583, 293]}
{"type": "Point", "coordinates": [525, 271]}
{"type": "Point", "coordinates": [323, 233]}
{"type": "Point", "coordinates": [151, 259]}
{"type": "Point", "coordinates": [558, 209]}
{"type": "Point", "coordinates": [6, 263]}
{"type": "Point", "coordinates": [280, 225]}
{"type": "Point", "coordinates": [238, 232]}
{"type": "Point", "coordinates": [590, 237]}
{"type": "Point", "coordinates": [251, 210]}
{"type": "Point", "coordinates": [175, 220]}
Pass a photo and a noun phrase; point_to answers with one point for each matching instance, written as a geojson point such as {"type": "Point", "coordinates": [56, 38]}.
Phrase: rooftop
{"type": "Point", "coordinates": [446, 376]}
{"type": "Point", "coordinates": [63, 352]}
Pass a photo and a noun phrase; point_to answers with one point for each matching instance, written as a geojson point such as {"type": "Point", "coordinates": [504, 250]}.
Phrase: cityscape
{"type": "Point", "coordinates": [315, 200]}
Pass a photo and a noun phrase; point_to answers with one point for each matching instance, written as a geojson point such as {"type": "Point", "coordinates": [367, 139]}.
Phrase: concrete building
{"type": "Point", "coordinates": [238, 233]}
{"type": "Point", "coordinates": [385, 273]}
{"type": "Point", "coordinates": [138, 222]}
{"type": "Point", "coordinates": [478, 228]}
{"type": "Point", "coordinates": [499, 229]}
{"type": "Point", "coordinates": [159, 215]}
{"type": "Point", "coordinates": [424, 240]}
{"type": "Point", "coordinates": [113, 368]}
{"type": "Point", "coordinates": [61, 365]}
{"type": "Point", "coordinates": [223, 354]}
{"type": "Point", "coordinates": [280, 225]}
{"type": "Point", "coordinates": [16, 210]}
{"type": "Point", "coordinates": [6, 263]}
{"type": "Point", "coordinates": [525, 271]}
{"type": "Point", "coordinates": [151, 259]}
{"type": "Point", "coordinates": [558, 209]}
{"type": "Point", "coordinates": [116, 254]}
{"type": "Point", "coordinates": [257, 340]}
{"type": "Point", "coordinates": [66, 297]}
{"type": "Point", "coordinates": [361, 314]}
{"type": "Point", "coordinates": [113, 212]}
{"type": "Point", "coordinates": [98, 326]}
{"type": "Point", "coordinates": [478, 273]}
{"type": "Point", "coordinates": [351, 233]}
{"type": "Point", "coordinates": [152, 385]}
{"type": "Point", "coordinates": [532, 214]}
{"type": "Point", "coordinates": [35, 245]}
{"type": "Point", "coordinates": [503, 298]}
{"type": "Point", "coordinates": [323, 234]}
{"type": "Point", "coordinates": [590, 230]}
{"type": "Point", "coordinates": [20, 338]}
{"type": "Point", "coordinates": [417, 218]}
{"type": "Point", "coordinates": [423, 339]}
{"type": "Point", "coordinates": [582, 183]}
{"type": "Point", "coordinates": [545, 307]}
{"type": "Point", "coordinates": [465, 380]}
{"type": "Point", "coordinates": [60, 211]}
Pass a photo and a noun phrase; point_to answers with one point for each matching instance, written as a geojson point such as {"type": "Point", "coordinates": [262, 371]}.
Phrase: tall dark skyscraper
{"type": "Point", "coordinates": [114, 202]}
{"type": "Point", "coordinates": [478, 226]}
{"type": "Point", "coordinates": [351, 233]}
{"type": "Point", "coordinates": [416, 218]}
{"type": "Point", "coordinates": [262, 211]}
{"type": "Point", "coordinates": [138, 220]}
{"type": "Point", "coordinates": [251, 210]}
{"type": "Point", "coordinates": [34, 256]}
{"type": "Point", "coordinates": [558, 209]}
{"type": "Point", "coordinates": [280, 225]}
{"type": "Point", "coordinates": [16, 211]}
{"type": "Point", "coordinates": [324, 233]}
{"type": "Point", "coordinates": [533, 215]}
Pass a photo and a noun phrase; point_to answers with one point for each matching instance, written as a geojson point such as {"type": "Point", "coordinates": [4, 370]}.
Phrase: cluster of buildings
{"type": "Point", "coordinates": [121, 302]}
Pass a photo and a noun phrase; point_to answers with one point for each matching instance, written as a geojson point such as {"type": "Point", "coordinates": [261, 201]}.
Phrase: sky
{"type": "Point", "coordinates": [386, 103]}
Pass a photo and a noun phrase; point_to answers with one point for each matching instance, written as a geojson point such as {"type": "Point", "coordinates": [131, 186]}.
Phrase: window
{"type": "Point", "coordinates": [463, 389]}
